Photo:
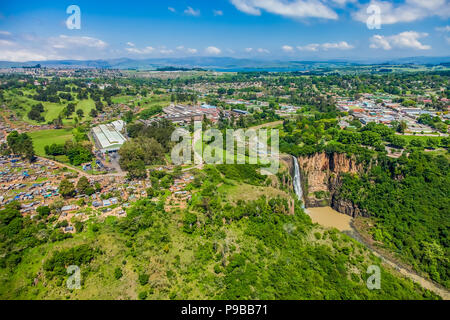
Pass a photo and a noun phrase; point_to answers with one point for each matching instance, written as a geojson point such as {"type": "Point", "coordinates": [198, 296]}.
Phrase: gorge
{"type": "Point", "coordinates": [320, 179]}
{"type": "Point", "coordinates": [317, 182]}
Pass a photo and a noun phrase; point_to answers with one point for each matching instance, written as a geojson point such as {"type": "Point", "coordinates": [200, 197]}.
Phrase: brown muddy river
{"type": "Point", "coordinates": [328, 217]}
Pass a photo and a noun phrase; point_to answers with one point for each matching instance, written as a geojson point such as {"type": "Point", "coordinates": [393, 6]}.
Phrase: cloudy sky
{"type": "Point", "coordinates": [263, 29]}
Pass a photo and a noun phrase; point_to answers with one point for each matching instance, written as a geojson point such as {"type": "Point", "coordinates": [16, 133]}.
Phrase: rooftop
{"type": "Point", "coordinates": [108, 136]}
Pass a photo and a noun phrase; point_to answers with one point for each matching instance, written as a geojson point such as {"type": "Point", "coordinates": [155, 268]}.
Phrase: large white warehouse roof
{"type": "Point", "coordinates": [108, 136]}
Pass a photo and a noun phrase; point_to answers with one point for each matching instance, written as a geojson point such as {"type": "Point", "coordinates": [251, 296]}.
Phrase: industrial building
{"type": "Point", "coordinates": [109, 137]}
{"type": "Point", "coordinates": [185, 114]}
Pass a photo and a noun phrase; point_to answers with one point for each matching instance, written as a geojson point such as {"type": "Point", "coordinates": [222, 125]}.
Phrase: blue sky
{"type": "Point", "coordinates": [263, 29]}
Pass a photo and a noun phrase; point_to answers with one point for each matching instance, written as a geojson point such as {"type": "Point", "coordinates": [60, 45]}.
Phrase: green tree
{"type": "Point", "coordinates": [21, 144]}
{"type": "Point", "coordinates": [43, 211]}
{"type": "Point", "coordinates": [139, 152]}
{"type": "Point", "coordinates": [80, 113]}
{"type": "Point", "coordinates": [66, 188]}
{"type": "Point", "coordinates": [93, 113]}
{"type": "Point", "coordinates": [84, 186]}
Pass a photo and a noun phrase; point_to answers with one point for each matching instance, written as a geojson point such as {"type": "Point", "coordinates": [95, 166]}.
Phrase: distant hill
{"type": "Point", "coordinates": [219, 63]}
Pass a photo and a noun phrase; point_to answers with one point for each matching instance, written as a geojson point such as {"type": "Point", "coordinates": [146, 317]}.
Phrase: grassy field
{"type": "Point", "coordinates": [147, 102]}
{"type": "Point", "coordinates": [86, 106]}
{"type": "Point", "coordinates": [249, 192]}
{"type": "Point", "coordinates": [123, 99]}
{"type": "Point", "coordinates": [46, 137]}
{"type": "Point", "coordinates": [422, 138]}
{"type": "Point", "coordinates": [52, 110]}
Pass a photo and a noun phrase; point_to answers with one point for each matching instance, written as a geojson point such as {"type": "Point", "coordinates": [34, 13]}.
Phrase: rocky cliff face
{"type": "Point", "coordinates": [321, 180]}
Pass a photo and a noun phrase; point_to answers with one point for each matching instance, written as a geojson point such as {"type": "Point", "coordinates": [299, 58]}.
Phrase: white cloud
{"type": "Point", "coordinates": [20, 48]}
{"type": "Point", "coordinates": [5, 33]}
{"type": "Point", "coordinates": [314, 47]}
{"type": "Point", "coordinates": [146, 50]}
{"type": "Point", "coordinates": [291, 9]}
{"type": "Point", "coordinates": [23, 55]}
{"type": "Point", "coordinates": [187, 50]}
{"type": "Point", "coordinates": [165, 51]}
{"type": "Point", "coordinates": [68, 42]}
{"type": "Point", "coordinates": [404, 40]}
{"type": "Point", "coordinates": [259, 50]}
{"type": "Point", "coordinates": [287, 48]}
{"type": "Point", "coordinates": [343, 45]}
{"type": "Point", "coordinates": [377, 42]}
{"type": "Point", "coordinates": [443, 29]}
{"type": "Point", "coordinates": [246, 6]}
{"type": "Point", "coordinates": [191, 12]}
{"type": "Point", "coordinates": [171, 9]}
{"type": "Point", "coordinates": [6, 43]}
{"type": "Point", "coordinates": [409, 11]}
{"type": "Point", "coordinates": [427, 4]}
{"type": "Point", "coordinates": [131, 44]}
{"type": "Point", "coordinates": [343, 2]}
{"type": "Point", "coordinates": [213, 50]}
{"type": "Point", "coordinates": [262, 50]}
{"type": "Point", "coordinates": [218, 12]}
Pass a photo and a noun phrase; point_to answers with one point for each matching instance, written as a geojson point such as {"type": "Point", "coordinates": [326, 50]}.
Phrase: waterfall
{"type": "Point", "coordinates": [298, 182]}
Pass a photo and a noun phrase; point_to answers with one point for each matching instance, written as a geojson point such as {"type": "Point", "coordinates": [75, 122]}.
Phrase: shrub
{"type": "Point", "coordinates": [143, 279]}
{"type": "Point", "coordinates": [142, 295]}
{"type": "Point", "coordinates": [118, 273]}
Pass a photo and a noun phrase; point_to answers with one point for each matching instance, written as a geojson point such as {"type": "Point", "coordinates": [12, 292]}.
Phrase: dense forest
{"type": "Point", "coordinates": [409, 198]}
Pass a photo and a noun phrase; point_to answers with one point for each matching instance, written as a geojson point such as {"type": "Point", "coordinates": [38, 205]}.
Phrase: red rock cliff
{"type": "Point", "coordinates": [321, 178]}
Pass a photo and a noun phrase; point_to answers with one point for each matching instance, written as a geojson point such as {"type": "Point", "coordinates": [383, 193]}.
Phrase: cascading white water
{"type": "Point", "coordinates": [298, 182]}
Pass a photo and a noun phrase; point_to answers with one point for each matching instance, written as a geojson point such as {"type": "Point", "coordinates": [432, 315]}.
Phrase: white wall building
{"type": "Point", "coordinates": [109, 137]}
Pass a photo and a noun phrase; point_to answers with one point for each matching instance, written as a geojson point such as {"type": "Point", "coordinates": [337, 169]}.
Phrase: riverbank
{"type": "Point", "coordinates": [330, 218]}
{"type": "Point", "coordinates": [358, 234]}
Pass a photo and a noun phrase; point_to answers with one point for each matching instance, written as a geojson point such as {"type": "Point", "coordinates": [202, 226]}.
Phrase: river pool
{"type": "Point", "coordinates": [328, 217]}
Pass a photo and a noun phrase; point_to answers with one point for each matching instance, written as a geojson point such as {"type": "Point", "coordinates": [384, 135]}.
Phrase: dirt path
{"type": "Point", "coordinates": [267, 125]}
{"type": "Point", "coordinates": [425, 283]}
{"type": "Point", "coordinates": [423, 134]}
{"type": "Point", "coordinates": [81, 172]}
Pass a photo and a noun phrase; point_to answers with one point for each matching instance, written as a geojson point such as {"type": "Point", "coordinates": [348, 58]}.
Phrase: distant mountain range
{"type": "Point", "coordinates": [221, 63]}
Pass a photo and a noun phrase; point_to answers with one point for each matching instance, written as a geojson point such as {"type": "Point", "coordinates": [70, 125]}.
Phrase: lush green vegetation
{"type": "Point", "coordinates": [210, 250]}
{"type": "Point", "coordinates": [19, 144]}
{"type": "Point", "coordinates": [409, 199]}
{"type": "Point", "coordinates": [43, 138]}
{"type": "Point", "coordinates": [220, 246]}
{"type": "Point", "coordinates": [407, 196]}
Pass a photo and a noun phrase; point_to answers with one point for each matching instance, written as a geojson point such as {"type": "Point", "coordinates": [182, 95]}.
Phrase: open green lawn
{"type": "Point", "coordinates": [47, 137]}
{"type": "Point", "coordinates": [122, 99]}
{"type": "Point", "coordinates": [147, 102]}
{"type": "Point", "coordinates": [422, 138]}
{"type": "Point", "coordinates": [86, 106]}
{"type": "Point", "coordinates": [52, 110]}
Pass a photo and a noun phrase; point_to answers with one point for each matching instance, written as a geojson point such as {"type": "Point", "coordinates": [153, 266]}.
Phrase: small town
{"type": "Point", "coordinates": [252, 151]}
